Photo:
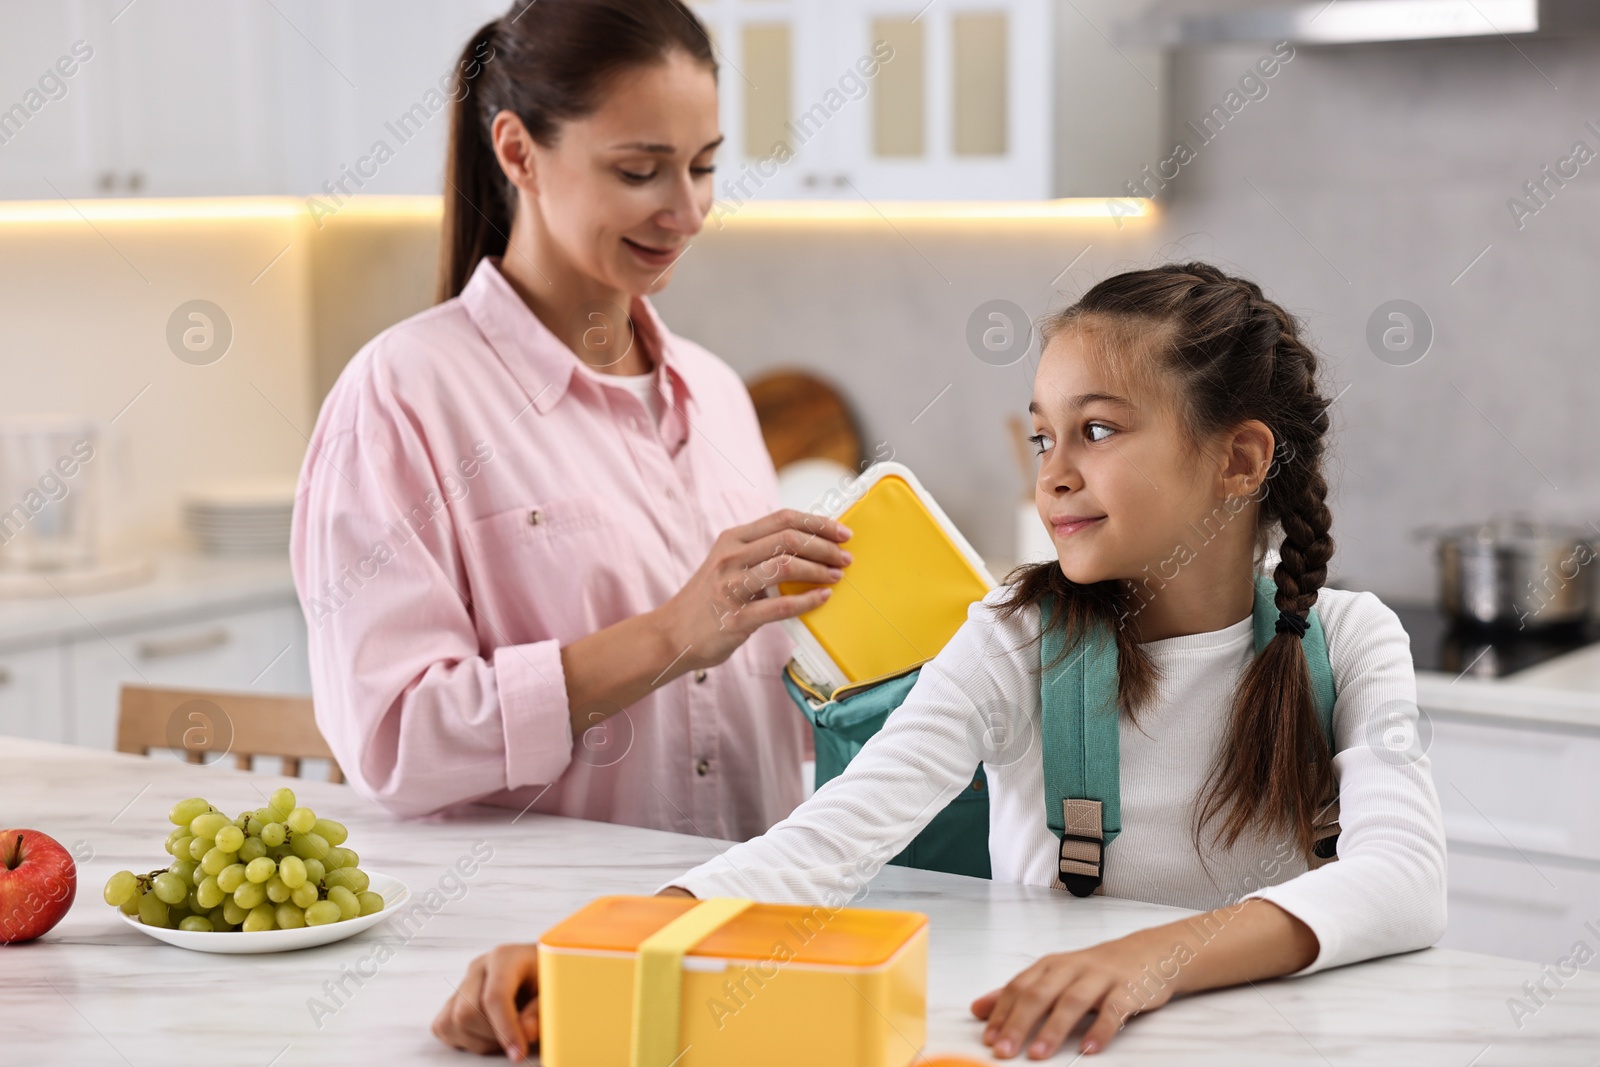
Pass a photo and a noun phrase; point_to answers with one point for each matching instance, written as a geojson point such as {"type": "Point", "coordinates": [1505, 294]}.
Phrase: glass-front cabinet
{"type": "Point", "coordinates": [884, 99]}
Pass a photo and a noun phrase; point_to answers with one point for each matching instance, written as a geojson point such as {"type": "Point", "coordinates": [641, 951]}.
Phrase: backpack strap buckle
{"type": "Point", "coordinates": [1082, 846]}
{"type": "Point", "coordinates": [1325, 836]}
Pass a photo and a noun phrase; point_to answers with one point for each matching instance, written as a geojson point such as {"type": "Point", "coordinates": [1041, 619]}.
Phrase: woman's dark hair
{"type": "Point", "coordinates": [546, 61]}
{"type": "Point", "coordinates": [1228, 355]}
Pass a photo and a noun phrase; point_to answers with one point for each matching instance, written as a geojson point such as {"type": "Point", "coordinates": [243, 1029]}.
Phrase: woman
{"type": "Point", "coordinates": [507, 540]}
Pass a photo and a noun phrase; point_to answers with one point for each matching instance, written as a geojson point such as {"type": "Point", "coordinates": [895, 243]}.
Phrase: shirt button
{"type": "Point", "coordinates": [535, 517]}
{"type": "Point", "coordinates": [699, 676]}
{"type": "Point", "coordinates": [703, 768]}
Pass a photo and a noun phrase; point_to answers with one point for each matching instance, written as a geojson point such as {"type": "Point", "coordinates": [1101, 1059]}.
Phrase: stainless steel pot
{"type": "Point", "coordinates": [1516, 573]}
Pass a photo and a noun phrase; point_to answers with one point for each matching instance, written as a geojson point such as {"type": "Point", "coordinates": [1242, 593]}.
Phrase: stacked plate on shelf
{"type": "Point", "coordinates": [240, 517]}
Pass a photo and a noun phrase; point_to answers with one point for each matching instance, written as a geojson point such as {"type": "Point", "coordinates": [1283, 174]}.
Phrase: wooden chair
{"type": "Point", "coordinates": [246, 725]}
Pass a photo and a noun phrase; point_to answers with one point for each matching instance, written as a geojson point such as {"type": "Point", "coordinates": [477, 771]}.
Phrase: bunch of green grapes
{"type": "Point", "coordinates": [275, 868]}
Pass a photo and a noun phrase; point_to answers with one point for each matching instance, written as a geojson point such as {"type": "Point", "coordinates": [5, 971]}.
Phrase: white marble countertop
{"type": "Point", "coordinates": [183, 583]}
{"type": "Point", "coordinates": [1513, 700]}
{"type": "Point", "coordinates": [93, 991]}
{"type": "Point", "coordinates": [1576, 672]}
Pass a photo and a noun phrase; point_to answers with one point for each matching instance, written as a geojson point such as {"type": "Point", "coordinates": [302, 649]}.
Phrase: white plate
{"type": "Point", "coordinates": [237, 942]}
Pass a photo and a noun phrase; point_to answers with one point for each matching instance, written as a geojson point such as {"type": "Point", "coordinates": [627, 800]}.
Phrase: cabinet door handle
{"type": "Point", "coordinates": [166, 647]}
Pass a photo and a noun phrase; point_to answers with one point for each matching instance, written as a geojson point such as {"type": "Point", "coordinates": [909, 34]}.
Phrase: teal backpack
{"type": "Point", "coordinates": [1078, 701]}
{"type": "Point", "coordinates": [956, 841]}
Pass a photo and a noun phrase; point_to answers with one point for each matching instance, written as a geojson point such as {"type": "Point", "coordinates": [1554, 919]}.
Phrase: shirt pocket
{"type": "Point", "coordinates": [555, 569]}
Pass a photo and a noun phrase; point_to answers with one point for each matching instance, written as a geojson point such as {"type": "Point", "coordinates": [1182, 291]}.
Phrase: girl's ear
{"type": "Point", "coordinates": [1248, 458]}
{"type": "Point", "coordinates": [515, 149]}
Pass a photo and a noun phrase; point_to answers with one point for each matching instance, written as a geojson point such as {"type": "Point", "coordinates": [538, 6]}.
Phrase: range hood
{"type": "Point", "coordinates": [1329, 22]}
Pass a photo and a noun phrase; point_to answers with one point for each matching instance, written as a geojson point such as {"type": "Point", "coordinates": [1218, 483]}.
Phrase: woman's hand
{"type": "Point", "coordinates": [1060, 990]}
{"type": "Point", "coordinates": [723, 603]}
{"type": "Point", "coordinates": [496, 1006]}
{"type": "Point", "coordinates": [726, 601]}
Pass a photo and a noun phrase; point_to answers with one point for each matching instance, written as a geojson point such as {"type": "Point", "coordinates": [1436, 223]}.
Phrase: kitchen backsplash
{"type": "Point", "coordinates": [202, 345]}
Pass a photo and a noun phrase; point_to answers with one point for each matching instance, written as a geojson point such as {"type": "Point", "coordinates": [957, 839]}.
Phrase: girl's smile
{"type": "Point", "coordinates": [1065, 525]}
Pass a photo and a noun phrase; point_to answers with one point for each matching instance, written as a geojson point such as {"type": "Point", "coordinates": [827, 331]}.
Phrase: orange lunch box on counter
{"type": "Point", "coordinates": [676, 982]}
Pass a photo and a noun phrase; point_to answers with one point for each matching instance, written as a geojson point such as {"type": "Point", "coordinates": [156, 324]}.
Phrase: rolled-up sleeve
{"type": "Point", "coordinates": [421, 711]}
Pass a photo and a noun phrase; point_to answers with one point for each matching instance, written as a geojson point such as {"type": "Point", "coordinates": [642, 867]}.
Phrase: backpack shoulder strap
{"type": "Point", "coordinates": [1078, 726]}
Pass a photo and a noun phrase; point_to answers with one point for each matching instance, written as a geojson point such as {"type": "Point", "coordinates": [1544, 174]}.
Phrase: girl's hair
{"type": "Point", "coordinates": [1227, 355]}
{"type": "Point", "coordinates": [545, 61]}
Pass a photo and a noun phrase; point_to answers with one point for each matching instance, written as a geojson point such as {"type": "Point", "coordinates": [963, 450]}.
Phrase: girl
{"type": "Point", "coordinates": [535, 530]}
{"type": "Point", "coordinates": [1164, 400]}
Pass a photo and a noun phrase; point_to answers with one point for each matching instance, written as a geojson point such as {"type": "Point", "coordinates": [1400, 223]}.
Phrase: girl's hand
{"type": "Point", "coordinates": [496, 1006]}
{"type": "Point", "coordinates": [1243, 942]}
{"type": "Point", "coordinates": [1061, 989]}
{"type": "Point", "coordinates": [726, 601]}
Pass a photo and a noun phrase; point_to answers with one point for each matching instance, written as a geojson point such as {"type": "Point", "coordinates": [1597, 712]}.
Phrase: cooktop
{"type": "Point", "coordinates": [1442, 643]}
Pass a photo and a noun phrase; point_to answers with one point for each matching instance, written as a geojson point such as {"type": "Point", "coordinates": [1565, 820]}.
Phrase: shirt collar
{"type": "Point", "coordinates": [540, 361]}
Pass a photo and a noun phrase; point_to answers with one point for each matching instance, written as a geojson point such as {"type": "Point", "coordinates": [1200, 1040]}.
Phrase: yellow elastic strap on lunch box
{"type": "Point", "coordinates": [658, 979]}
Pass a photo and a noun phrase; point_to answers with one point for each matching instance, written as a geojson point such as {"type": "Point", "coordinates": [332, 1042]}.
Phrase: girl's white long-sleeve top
{"type": "Point", "coordinates": [978, 701]}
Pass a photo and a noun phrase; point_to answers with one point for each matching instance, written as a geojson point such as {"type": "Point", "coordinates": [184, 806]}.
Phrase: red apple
{"type": "Point", "coordinates": [37, 883]}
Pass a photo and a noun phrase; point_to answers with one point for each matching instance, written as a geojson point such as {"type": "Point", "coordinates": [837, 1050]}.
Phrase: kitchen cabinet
{"type": "Point", "coordinates": [200, 622]}
{"type": "Point", "coordinates": [176, 98]}
{"type": "Point", "coordinates": [885, 99]}
{"type": "Point", "coordinates": [771, 57]}
{"type": "Point", "coordinates": [196, 98]}
{"type": "Point", "coordinates": [1521, 810]}
{"type": "Point", "coordinates": [852, 99]}
{"type": "Point", "coordinates": [261, 650]}
{"type": "Point", "coordinates": [31, 693]}
{"type": "Point", "coordinates": [1528, 907]}
{"type": "Point", "coordinates": [1507, 788]}
{"type": "Point", "coordinates": [360, 74]}
{"type": "Point", "coordinates": [187, 98]}
{"type": "Point", "coordinates": [55, 75]}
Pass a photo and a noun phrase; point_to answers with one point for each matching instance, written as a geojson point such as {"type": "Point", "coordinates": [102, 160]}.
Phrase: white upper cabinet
{"type": "Point", "coordinates": [849, 99]}
{"type": "Point", "coordinates": [960, 107]}
{"type": "Point", "coordinates": [885, 99]}
{"type": "Point", "coordinates": [55, 70]}
{"type": "Point", "coordinates": [112, 98]}
{"type": "Point", "coordinates": [366, 86]}
{"type": "Point", "coordinates": [209, 98]}
{"type": "Point", "coordinates": [194, 109]}
{"type": "Point", "coordinates": [767, 54]}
